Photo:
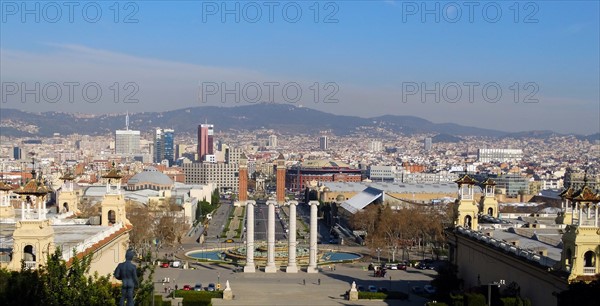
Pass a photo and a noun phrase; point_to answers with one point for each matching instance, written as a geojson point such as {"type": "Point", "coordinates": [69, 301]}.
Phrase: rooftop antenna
{"type": "Point", "coordinates": [127, 121]}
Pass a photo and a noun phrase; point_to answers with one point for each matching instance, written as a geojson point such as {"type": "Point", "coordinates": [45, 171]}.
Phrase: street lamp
{"type": "Point", "coordinates": [499, 283]}
{"type": "Point", "coordinates": [378, 253]}
{"type": "Point", "coordinates": [218, 280]}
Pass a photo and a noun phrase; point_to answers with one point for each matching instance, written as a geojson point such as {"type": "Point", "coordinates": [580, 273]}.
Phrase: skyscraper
{"type": "Point", "coordinates": [272, 141]}
{"type": "Point", "coordinates": [127, 141]}
{"type": "Point", "coordinates": [164, 146]}
{"type": "Point", "coordinates": [16, 153]}
{"type": "Point", "coordinates": [205, 141]}
{"type": "Point", "coordinates": [427, 144]}
{"type": "Point", "coordinates": [323, 143]}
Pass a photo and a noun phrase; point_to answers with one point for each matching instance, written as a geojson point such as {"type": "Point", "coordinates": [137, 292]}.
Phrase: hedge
{"type": "Point", "coordinates": [391, 295]}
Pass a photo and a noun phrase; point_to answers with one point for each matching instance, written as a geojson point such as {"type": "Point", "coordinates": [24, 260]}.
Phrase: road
{"type": "Point", "coordinates": [261, 214]}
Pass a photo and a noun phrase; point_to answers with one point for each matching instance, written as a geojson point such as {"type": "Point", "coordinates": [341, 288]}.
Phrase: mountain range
{"type": "Point", "coordinates": [281, 117]}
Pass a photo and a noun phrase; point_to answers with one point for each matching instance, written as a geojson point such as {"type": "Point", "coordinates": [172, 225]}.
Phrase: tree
{"type": "Point", "coordinates": [142, 232]}
{"type": "Point", "coordinates": [215, 197]}
{"type": "Point", "coordinates": [57, 283]}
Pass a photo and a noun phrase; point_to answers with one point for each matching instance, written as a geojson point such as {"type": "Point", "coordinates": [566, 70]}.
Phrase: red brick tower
{"type": "Point", "coordinates": [280, 179]}
{"type": "Point", "coordinates": [243, 180]}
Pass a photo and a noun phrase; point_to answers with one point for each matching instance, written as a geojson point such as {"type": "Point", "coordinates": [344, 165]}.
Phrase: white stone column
{"type": "Point", "coordinates": [270, 267]}
{"type": "Point", "coordinates": [22, 210]}
{"type": "Point", "coordinates": [291, 266]}
{"type": "Point", "coordinates": [312, 256]}
{"type": "Point", "coordinates": [249, 268]}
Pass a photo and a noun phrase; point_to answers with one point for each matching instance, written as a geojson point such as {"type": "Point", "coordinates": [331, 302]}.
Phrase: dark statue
{"type": "Point", "coordinates": [127, 272]}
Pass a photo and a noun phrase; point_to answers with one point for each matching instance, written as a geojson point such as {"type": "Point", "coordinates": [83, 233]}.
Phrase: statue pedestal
{"type": "Point", "coordinates": [271, 269]}
{"type": "Point", "coordinates": [227, 295]}
{"type": "Point", "coordinates": [353, 296]}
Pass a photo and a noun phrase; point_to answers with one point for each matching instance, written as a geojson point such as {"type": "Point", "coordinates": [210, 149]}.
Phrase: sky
{"type": "Point", "coordinates": [506, 65]}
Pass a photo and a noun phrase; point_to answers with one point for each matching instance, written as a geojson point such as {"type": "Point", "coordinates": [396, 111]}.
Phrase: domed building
{"type": "Point", "coordinates": [151, 179]}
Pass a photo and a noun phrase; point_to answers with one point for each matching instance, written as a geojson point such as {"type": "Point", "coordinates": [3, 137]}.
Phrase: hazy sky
{"type": "Point", "coordinates": [529, 66]}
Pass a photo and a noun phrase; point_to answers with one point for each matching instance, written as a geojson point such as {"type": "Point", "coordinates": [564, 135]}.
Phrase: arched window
{"type": "Point", "coordinates": [66, 207]}
{"type": "Point", "coordinates": [490, 211]}
{"type": "Point", "coordinates": [589, 259]}
{"type": "Point", "coordinates": [111, 216]}
{"type": "Point", "coordinates": [468, 221]}
{"type": "Point", "coordinates": [29, 253]}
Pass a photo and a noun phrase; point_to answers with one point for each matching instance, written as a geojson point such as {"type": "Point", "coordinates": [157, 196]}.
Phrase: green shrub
{"type": "Point", "coordinates": [474, 299]}
{"type": "Point", "coordinates": [371, 295]}
{"type": "Point", "coordinates": [457, 300]}
{"type": "Point", "coordinates": [392, 295]}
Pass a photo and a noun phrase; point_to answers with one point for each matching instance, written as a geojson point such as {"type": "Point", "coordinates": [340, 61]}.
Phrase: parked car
{"type": "Point", "coordinates": [198, 287]}
{"type": "Point", "coordinates": [429, 289]}
{"type": "Point", "coordinates": [372, 288]}
{"type": "Point", "coordinates": [402, 266]}
{"type": "Point", "coordinates": [392, 266]}
{"type": "Point", "coordinates": [187, 287]}
{"type": "Point", "coordinates": [176, 264]}
{"type": "Point", "coordinates": [211, 287]}
{"type": "Point", "coordinates": [383, 289]}
{"type": "Point", "coordinates": [164, 265]}
{"type": "Point", "coordinates": [360, 288]}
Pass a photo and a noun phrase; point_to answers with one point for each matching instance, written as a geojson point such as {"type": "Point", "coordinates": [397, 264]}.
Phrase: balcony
{"type": "Point", "coordinates": [30, 265]}
{"type": "Point", "coordinates": [589, 270]}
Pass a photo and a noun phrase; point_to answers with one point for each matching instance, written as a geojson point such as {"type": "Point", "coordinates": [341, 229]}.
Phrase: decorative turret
{"type": "Point", "coordinates": [6, 209]}
{"type": "Point", "coordinates": [113, 204]}
{"type": "Point", "coordinates": [467, 207]}
{"type": "Point", "coordinates": [566, 214]}
{"type": "Point", "coordinates": [581, 240]}
{"type": "Point", "coordinates": [33, 236]}
{"type": "Point", "coordinates": [488, 202]}
{"type": "Point", "coordinates": [67, 199]}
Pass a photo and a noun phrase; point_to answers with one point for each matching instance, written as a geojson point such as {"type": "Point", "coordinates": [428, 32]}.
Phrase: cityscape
{"type": "Point", "coordinates": [280, 175]}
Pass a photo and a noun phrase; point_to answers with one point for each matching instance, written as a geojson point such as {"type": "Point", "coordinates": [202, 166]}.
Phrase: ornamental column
{"type": "Point", "coordinates": [291, 266]}
{"type": "Point", "coordinates": [249, 268]}
{"type": "Point", "coordinates": [270, 267]}
{"type": "Point", "coordinates": [312, 259]}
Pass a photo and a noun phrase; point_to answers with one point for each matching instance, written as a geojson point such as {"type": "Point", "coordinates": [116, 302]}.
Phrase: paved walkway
{"type": "Point", "coordinates": [289, 289]}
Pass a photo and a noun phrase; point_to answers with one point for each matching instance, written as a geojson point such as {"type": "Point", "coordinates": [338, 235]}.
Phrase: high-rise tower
{"type": "Point", "coordinates": [280, 179]}
{"type": "Point", "coordinates": [205, 140]}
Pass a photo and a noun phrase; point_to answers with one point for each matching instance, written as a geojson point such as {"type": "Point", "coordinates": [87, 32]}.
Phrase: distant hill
{"type": "Point", "coordinates": [282, 117]}
{"type": "Point", "coordinates": [445, 138]}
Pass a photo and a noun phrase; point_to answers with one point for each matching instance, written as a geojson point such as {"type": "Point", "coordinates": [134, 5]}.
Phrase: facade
{"type": "Point", "coordinates": [34, 232]}
{"type": "Point", "coordinates": [164, 146]}
{"type": "Point", "coordinates": [512, 184]}
{"type": "Point", "coordinates": [272, 141]}
{"type": "Point", "coordinates": [17, 153]}
{"type": "Point", "coordinates": [499, 155]}
{"type": "Point", "coordinates": [127, 142]}
{"type": "Point", "coordinates": [323, 143]}
{"type": "Point", "coordinates": [300, 175]}
{"type": "Point", "coordinates": [223, 175]}
{"type": "Point", "coordinates": [382, 173]}
{"type": "Point", "coordinates": [205, 140]}
{"type": "Point", "coordinates": [540, 255]}
{"type": "Point", "coordinates": [577, 179]}
{"type": "Point", "coordinates": [376, 146]}
{"type": "Point", "coordinates": [427, 144]}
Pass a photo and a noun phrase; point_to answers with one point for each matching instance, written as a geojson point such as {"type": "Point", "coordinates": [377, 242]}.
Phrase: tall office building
{"type": "Point", "coordinates": [164, 146]}
{"type": "Point", "coordinates": [376, 146]}
{"type": "Point", "coordinates": [205, 141]}
{"type": "Point", "coordinates": [17, 153]}
{"type": "Point", "coordinates": [323, 143]}
{"type": "Point", "coordinates": [127, 141]}
{"type": "Point", "coordinates": [272, 141]}
{"type": "Point", "coordinates": [428, 143]}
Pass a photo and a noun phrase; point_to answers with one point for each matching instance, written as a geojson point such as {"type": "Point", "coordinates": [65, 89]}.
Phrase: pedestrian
{"type": "Point", "coordinates": [166, 289]}
{"type": "Point", "coordinates": [304, 282]}
{"type": "Point", "coordinates": [319, 281]}
{"type": "Point", "coordinates": [175, 287]}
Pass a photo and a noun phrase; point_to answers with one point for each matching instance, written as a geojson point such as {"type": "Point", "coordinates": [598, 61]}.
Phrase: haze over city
{"type": "Point", "coordinates": [369, 58]}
